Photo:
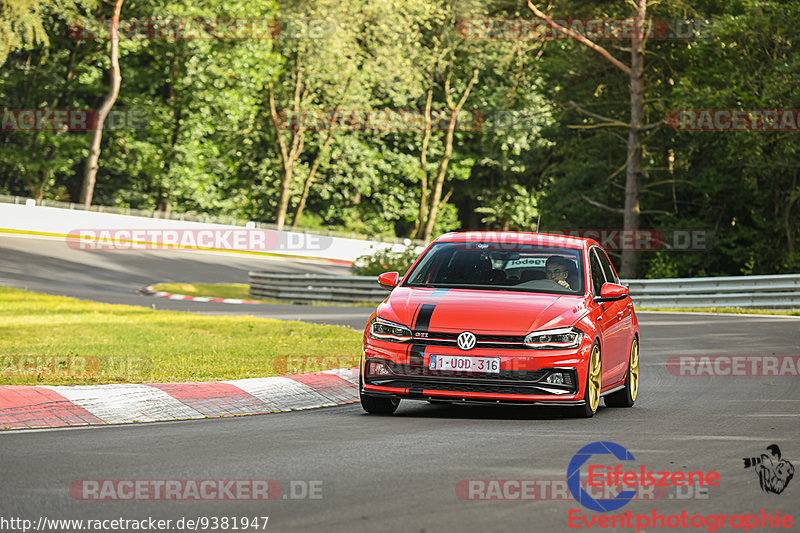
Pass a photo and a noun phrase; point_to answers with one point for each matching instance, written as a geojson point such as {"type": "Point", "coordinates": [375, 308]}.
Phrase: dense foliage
{"type": "Point", "coordinates": [195, 131]}
{"type": "Point", "coordinates": [397, 258]}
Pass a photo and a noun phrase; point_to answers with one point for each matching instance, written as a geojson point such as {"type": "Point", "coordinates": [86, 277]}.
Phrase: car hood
{"type": "Point", "coordinates": [480, 311]}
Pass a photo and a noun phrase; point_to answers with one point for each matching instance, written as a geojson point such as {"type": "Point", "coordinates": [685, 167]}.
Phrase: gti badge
{"type": "Point", "coordinates": [466, 341]}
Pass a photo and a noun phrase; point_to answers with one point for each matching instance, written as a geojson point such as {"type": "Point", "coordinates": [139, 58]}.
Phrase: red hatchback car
{"type": "Point", "coordinates": [503, 318]}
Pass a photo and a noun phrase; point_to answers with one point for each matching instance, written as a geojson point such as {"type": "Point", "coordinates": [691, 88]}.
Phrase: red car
{"type": "Point", "coordinates": [503, 318]}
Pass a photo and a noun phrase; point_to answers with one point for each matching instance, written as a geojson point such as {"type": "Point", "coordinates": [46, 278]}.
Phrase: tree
{"type": "Point", "coordinates": [635, 127]}
{"type": "Point", "coordinates": [90, 173]}
{"type": "Point", "coordinates": [431, 210]}
{"type": "Point", "coordinates": [20, 25]}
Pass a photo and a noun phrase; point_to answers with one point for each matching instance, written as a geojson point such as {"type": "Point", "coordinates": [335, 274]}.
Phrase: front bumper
{"type": "Point", "coordinates": [521, 379]}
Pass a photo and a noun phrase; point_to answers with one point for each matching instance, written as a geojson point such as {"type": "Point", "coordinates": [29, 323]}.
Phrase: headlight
{"type": "Point", "coordinates": [554, 339]}
{"type": "Point", "coordinates": [389, 331]}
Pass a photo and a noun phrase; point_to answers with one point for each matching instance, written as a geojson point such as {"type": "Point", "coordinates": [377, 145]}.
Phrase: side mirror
{"type": "Point", "coordinates": [611, 292]}
{"type": "Point", "coordinates": [389, 280]}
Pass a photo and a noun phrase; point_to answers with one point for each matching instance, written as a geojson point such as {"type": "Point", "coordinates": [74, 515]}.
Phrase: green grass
{"type": "Point", "coordinates": [71, 341]}
{"type": "Point", "coordinates": [724, 310]}
{"type": "Point", "coordinates": [237, 290]}
{"type": "Point", "coordinates": [213, 290]}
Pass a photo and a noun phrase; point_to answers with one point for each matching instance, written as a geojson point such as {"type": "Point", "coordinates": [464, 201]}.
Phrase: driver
{"type": "Point", "coordinates": [557, 269]}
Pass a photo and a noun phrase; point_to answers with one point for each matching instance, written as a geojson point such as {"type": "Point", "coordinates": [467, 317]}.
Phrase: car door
{"type": "Point", "coordinates": [624, 313]}
{"type": "Point", "coordinates": [608, 322]}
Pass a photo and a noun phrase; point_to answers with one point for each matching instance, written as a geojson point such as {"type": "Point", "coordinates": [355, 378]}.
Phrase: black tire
{"type": "Point", "coordinates": [627, 397]}
{"type": "Point", "coordinates": [589, 407]}
{"type": "Point", "coordinates": [379, 406]}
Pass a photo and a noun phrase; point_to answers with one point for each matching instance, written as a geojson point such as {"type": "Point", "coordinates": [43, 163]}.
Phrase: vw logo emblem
{"type": "Point", "coordinates": [466, 341]}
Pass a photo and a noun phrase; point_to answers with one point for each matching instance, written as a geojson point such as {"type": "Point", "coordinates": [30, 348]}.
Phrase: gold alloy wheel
{"type": "Point", "coordinates": [634, 372]}
{"type": "Point", "coordinates": [594, 378]}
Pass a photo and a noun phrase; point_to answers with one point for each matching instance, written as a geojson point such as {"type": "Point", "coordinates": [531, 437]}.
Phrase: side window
{"type": "Point", "coordinates": [611, 277]}
{"type": "Point", "coordinates": [598, 278]}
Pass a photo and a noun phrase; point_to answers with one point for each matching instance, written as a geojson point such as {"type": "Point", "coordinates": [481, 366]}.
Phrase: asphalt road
{"type": "Point", "coordinates": [400, 473]}
{"type": "Point", "coordinates": [48, 265]}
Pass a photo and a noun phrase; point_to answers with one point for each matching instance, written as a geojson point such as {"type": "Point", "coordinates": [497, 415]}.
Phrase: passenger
{"type": "Point", "coordinates": [557, 269]}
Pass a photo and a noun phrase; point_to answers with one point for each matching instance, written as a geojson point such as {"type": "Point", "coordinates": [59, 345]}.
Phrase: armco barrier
{"type": "Point", "coordinates": [307, 288]}
{"type": "Point", "coordinates": [760, 292]}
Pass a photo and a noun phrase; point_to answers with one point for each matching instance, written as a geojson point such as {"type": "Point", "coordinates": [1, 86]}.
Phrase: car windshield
{"type": "Point", "coordinates": [500, 266]}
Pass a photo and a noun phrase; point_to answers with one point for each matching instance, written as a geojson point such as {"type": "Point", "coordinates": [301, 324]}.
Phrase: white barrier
{"type": "Point", "coordinates": [66, 222]}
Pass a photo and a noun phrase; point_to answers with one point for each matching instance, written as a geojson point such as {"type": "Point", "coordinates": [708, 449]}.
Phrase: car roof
{"type": "Point", "coordinates": [520, 237]}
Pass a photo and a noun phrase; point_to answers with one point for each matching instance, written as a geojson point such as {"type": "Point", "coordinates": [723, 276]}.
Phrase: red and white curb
{"type": "Point", "coordinates": [150, 291]}
{"type": "Point", "coordinates": [23, 406]}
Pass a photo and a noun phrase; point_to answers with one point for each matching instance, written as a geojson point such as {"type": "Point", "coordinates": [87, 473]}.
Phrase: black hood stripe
{"type": "Point", "coordinates": [416, 355]}
{"type": "Point", "coordinates": [422, 315]}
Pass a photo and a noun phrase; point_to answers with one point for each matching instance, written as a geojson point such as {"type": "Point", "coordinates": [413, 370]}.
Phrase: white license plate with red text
{"type": "Point", "coordinates": [461, 363]}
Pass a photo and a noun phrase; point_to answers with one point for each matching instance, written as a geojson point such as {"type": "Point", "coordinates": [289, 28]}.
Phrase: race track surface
{"type": "Point", "coordinates": [48, 265]}
{"type": "Point", "coordinates": [401, 473]}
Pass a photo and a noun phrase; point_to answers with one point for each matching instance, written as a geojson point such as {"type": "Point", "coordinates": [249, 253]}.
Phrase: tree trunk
{"type": "Point", "coordinates": [90, 172]}
{"type": "Point", "coordinates": [283, 202]}
{"type": "Point", "coordinates": [423, 169]}
{"type": "Point", "coordinates": [433, 208]}
{"type": "Point", "coordinates": [632, 173]}
{"type": "Point", "coordinates": [322, 157]}
{"type": "Point", "coordinates": [630, 212]}
{"type": "Point", "coordinates": [310, 178]}
{"type": "Point", "coordinates": [288, 155]}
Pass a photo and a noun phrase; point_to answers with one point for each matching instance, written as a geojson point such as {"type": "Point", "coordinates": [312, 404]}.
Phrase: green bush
{"type": "Point", "coordinates": [393, 258]}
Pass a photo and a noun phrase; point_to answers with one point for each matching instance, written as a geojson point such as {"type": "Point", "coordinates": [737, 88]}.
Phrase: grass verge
{"type": "Point", "coordinates": [213, 290]}
{"type": "Point", "coordinates": [722, 310]}
{"type": "Point", "coordinates": [237, 290]}
{"type": "Point", "coordinates": [56, 340]}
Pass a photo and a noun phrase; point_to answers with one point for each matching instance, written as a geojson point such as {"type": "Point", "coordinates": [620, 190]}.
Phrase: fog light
{"type": "Point", "coordinates": [556, 378]}
{"type": "Point", "coordinates": [377, 369]}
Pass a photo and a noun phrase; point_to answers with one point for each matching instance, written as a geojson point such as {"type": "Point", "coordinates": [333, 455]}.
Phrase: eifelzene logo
{"type": "Point", "coordinates": [774, 473]}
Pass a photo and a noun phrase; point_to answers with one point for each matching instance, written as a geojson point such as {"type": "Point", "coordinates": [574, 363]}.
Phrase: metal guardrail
{"type": "Point", "coordinates": [757, 292]}
{"type": "Point", "coordinates": [308, 288]}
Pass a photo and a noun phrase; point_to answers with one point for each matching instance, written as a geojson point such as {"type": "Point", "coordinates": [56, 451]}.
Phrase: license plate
{"type": "Point", "coordinates": [460, 363]}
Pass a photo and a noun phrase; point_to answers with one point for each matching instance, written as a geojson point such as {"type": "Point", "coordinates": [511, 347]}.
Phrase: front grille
{"type": "Point", "coordinates": [418, 377]}
{"type": "Point", "coordinates": [462, 387]}
{"type": "Point", "coordinates": [438, 338]}
{"type": "Point", "coordinates": [468, 386]}
{"type": "Point", "coordinates": [504, 375]}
